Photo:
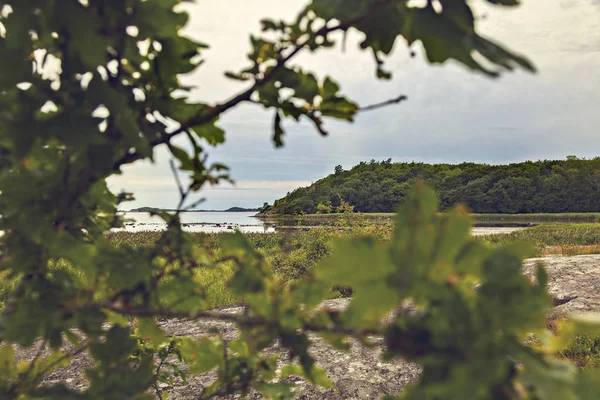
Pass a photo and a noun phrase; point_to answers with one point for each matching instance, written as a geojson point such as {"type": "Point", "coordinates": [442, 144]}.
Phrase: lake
{"type": "Point", "coordinates": [199, 222]}
{"type": "Point", "coordinates": [243, 221]}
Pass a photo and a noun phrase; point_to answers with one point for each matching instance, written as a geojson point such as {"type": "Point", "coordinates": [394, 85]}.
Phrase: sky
{"type": "Point", "coordinates": [452, 114]}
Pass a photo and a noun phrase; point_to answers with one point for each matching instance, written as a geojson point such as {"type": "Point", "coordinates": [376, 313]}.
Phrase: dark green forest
{"type": "Point", "coordinates": [549, 186]}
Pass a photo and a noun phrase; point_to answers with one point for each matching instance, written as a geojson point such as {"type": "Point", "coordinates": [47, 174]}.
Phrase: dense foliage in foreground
{"type": "Point", "coordinates": [571, 185]}
{"type": "Point", "coordinates": [93, 86]}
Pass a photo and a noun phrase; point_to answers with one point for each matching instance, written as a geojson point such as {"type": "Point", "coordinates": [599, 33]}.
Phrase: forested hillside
{"type": "Point", "coordinates": [571, 185]}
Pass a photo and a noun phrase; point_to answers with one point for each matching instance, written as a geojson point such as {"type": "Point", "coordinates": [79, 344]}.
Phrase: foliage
{"type": "Point", "coordinates": [93, 86]}
{"type": "Point", "coordinates": [265, 207]}
{"type": "Point", "coordinates": [324, 208]}
{"type": "Point", "coordinates": [344, 208]}
{"type": "Point", "coordinates": [569, 185]}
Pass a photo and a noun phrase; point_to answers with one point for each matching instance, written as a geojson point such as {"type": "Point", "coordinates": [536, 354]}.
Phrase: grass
{"type": "Point", "coordinates": [295, 252]}
{"type": "Point", "coordinates": [555, 239]}
{"type": "Point", "coordinates": [584, 352]}
{"type": "Point", "coordinates": [539, 217]}
{"type": "Point", "coordinates": [7, 286]}
{"type": "Point", "coordinates": [291, 253]}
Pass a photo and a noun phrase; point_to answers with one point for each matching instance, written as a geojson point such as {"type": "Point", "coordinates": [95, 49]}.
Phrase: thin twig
{"type": "Point", "coordinates": [155, 385]}
{"type": "Point", "coordinates": [396, 100]}
{"type": "Point", "coordinates": [37, 356]}
{"type": "Point", "coordinates": [176, 175]}
{"type": "Point", "coordinates": [83, 346]}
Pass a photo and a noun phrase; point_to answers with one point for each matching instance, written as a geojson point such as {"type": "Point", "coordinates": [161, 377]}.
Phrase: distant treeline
{"type": "Point", "coordinates": [571, 185]}
{"type": "Point", "coordinates": [157, 210]}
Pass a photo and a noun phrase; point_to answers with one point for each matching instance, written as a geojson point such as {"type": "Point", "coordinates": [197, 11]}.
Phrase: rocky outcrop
{"type": "Point", "coordinates": [357, 374]}
{"type": "Point", "coordinates": [574, 283]}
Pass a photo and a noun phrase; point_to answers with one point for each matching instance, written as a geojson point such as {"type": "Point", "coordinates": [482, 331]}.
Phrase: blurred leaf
{"type": "Point", "coordinates": [278, 131]}
{"type": "Point", "coordinates": [211, 133]}
{"type": "Point", "coordinates": [8, 368]}
{"type": "Point", "coordinates": [316, 376]}
{"type": "Point", "coordinates": [147, 329]}
{"type": "Point", "coordinates": [279, 390]}
{"type": "Point", "coordinates": [202, 355]}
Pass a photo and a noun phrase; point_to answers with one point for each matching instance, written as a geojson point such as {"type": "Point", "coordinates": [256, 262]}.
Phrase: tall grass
{"type": "Point", "coordinates": [294, 253]}
{"type": "Point", "coordinates": [560, 239]}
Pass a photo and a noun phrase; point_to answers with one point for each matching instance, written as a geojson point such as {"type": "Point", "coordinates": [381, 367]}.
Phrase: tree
{"type": "Point", "coordinates": [324, 208]}
{"type": "Point", "coordinates": [345, 208]}
{"type": "Point", "coordinates": [338, 169]}
{"type": "Point", "coordinates": [265, 207]}
{"type": "Point", "coordinates": [115, 98]}
{"type": "Point", "coordinates": [527, 187]}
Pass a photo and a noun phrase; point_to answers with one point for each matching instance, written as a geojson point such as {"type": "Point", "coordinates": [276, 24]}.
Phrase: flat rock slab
{"type": "Point", "coordinates": [574, 283]}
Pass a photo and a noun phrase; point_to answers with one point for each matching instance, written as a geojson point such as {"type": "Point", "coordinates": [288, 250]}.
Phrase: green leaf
{"type": "Point", "coordinates": [84, 28]}
{"type": "Point", "coordinates": [551, 379]}
{"type": "Point", "coordinates": [202, 355]}
{"type": "Point", "coordinates": [329, 88]}
{"type": "Point", "coordinates": [147, 329]}
{"type": "Point", "coordinates": [342, 10]}
{"type": "Point", "coordinates": [8, 368]}
{"type": "Point", "coordinates": [307, 87]}
{"type": "Point", "coordinates": [316, 375]}
{"type": "Point", "coordinates": [169, 23]}
{"type": "Point", "coordinates": [587, 386]}
{"type": "Point", "coordinates": [279, 390]}
{"type": "Point", "coordinates": [338, 107]}
{"type": "Point", "coordinates": [116, 348]}
{"type": "Point", "coordinates": [240, 347]}
{"type": "Point", "coordinates": [268, 367]}
{"type": "Point", "coordinates": [210, 132]}
{"type": "Point", "coordinates": [346, 265]}
{"type": "Point", "coordinates": [186, 162]}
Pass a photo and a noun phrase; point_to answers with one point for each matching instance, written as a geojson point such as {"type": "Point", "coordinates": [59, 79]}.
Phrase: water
{"type": "Point", "coordinates": [200, 222]}
{"type": "Point", "coordinates": [243, 221]}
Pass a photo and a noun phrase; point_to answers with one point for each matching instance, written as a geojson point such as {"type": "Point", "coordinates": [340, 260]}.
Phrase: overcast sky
{"type": "Point", "coordinates": [452, 115]}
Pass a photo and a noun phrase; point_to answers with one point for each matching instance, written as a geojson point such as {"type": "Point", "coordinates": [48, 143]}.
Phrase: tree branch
{"type": "Point", "coordinates": [37, 356]}
{"type": "Point", "coordinates": [233, 318]}
{"type": "Point", "coordinates": [375, 106]}
{"type": "Point", "coordinates": [208, 115]}
{"type": "Point", "coordinates": [82, 347]}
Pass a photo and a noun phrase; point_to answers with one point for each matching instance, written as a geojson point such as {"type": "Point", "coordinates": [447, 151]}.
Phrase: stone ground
{"type": "Point", "coordinates": [493, 230]}
{"type": "Point", "coordinates": [360, 374]}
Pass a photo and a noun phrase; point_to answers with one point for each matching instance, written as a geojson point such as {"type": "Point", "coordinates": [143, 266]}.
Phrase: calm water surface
{"type": "Point", "coordinates": [199, 222]}
{"type": "Point", "coordinates": [243, 221]}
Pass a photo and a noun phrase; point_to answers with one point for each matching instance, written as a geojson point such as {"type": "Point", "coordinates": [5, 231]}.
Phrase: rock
{"type": "Point", "coordinates": [358, 374]}
{"type": "Point", "coordinates": [574, 283]}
